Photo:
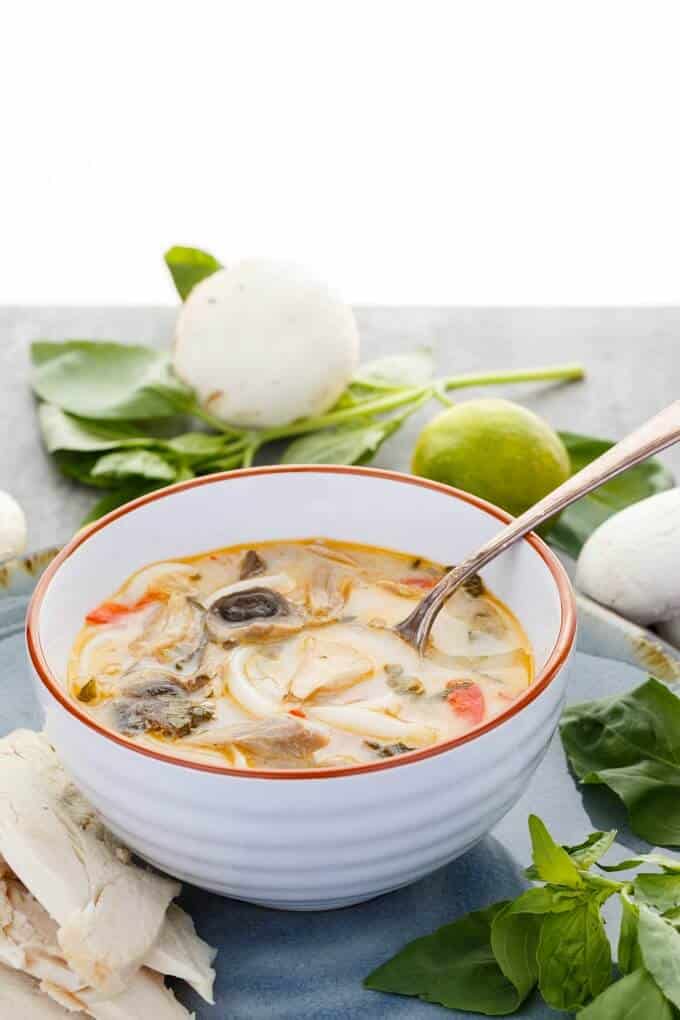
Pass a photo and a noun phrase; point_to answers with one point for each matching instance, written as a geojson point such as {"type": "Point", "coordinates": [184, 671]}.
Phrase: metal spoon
{"type": "Point", "coordinates": [659, 432]}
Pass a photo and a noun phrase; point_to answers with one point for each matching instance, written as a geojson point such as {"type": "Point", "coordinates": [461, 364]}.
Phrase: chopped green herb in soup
{"type": "Point", "coordinates": [283, 655]}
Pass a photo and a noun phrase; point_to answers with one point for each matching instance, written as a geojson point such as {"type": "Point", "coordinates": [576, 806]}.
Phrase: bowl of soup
{"type": "Point", "coordinates": [220, 673]}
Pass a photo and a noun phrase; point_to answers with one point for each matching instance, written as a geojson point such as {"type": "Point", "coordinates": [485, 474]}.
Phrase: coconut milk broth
{"type": "Point", "coordinates": [281, 655]}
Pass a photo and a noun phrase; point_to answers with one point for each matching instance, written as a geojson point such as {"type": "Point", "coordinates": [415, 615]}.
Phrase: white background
{"type": "Point", "coordinates": [517, 151]}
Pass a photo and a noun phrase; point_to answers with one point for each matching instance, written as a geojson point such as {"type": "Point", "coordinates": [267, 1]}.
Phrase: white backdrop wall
{"type": "Point", "coordinates": [431, 151]}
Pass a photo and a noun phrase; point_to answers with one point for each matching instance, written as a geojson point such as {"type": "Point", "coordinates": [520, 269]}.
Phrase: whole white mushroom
{"type": "Point", "coordinates": [263, 344]}
{"type": "Point", "coordinates": [631, 563]}
{"type": "Point", "coordinates": [12, 527]}
{"type": "Point", "coordinates": [669, 630]}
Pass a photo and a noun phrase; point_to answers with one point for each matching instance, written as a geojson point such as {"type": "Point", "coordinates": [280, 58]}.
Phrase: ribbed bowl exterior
{"type": "Point", "coordinates": [303, 841]}
{"type": "Point", "coordinates": [307, 844]}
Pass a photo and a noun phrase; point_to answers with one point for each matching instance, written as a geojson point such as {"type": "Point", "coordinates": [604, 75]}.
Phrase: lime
{"type": "Point", "coordinates": [494, 449]}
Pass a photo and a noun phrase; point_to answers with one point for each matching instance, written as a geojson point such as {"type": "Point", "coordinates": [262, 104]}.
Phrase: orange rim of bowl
{"type": "Point", "coordinates": [556, 659]}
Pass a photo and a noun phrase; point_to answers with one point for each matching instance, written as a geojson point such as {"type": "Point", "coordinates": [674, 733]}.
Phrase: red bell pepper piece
{"type": "Point", "coordinates": [467, 701]}
{"type": "Point", "coordinates": [419, 582]}
{"type": "Point", "coordinates": [108, 612]}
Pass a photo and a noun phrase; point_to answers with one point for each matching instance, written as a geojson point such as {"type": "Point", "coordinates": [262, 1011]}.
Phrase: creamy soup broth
{"type": "Point", "coordinates": [282, 655]}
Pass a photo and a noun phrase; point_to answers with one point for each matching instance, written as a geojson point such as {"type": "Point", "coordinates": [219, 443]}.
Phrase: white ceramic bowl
{"type": "Point", "coordinates": [304, 839]}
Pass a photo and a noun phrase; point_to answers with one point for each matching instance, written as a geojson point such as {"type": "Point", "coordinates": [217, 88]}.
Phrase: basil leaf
{"type": "Point", "coordinates": [43, 351]}
{"type": "Point", "coordinates": [651, 792]}
{"type": "Point", "coordinates": [631, 743]}
{"type": "Point", "coordinates": [108, 381]}
{"type": "Point", "coordinates": [662, 892]}
{"type": "Point", "coordinates": [188, 266]}
{"type": "Point", "coordinates": [454, 967]}
{"type": "Point", "coordinates": [660, 948]}
{"type": "Point", "coordinates": [62, 431]}
{"type": "Point", "coordinates": [669, 864]}
{"type": "Point", "coordinates": [79, 467]}
{"type": "Point", "coordinates": [547, 900]}
{"type": "Point", "coordinates": [578, 521]}
{"type": "Point", "coordinates": [397, 370]}
{"type": "Point", "coordinates": [574, 957]}
{"type": "Point", "coordinates": [120, 496]}
{"type": "Point", "coordinates": [204, 452]}
{"type": "Point", "coordinates": [514, 941]}
{"type": "Point", "coordinates": [198, 444]}
{"type": "Point", "coordinates": [585, 854]}
{"type": "Point", "coordinates": [600, 888]}
{"type": "Point", "coordinates": [551, 861]}
{"type": "Point", "coordinates": [108, 470]}
{"type": "Point", "coordinates": [629, 956]}
{"type": "Point", "coordinates": [635, 997]}
{"type": "Point", "coordinates": [356, 445]}
{"type": "Point", "coordinates": [226, 463]}
{"type": "Point", "coordinates": [124, 464]}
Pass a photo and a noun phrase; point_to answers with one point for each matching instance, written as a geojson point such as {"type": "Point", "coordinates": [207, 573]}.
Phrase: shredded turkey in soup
{"type": "Point", "coordinates": [283, 655]}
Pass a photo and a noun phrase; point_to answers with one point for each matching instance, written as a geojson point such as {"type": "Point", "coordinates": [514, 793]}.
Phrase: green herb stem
{"type": "Point", "coordinates": [249, 453]}
{"type": "Point", "coordinates": [553, 372]}
{"type": "Point", "coordinates": [439, 393]}
{"type": "Point", "coordinates": [243, 443]}
{"type": "Point", "coordinates": [363, 410]}
{"type": "Point", "coordinates": [393, 397]}
{"type": "Point", "coordinates": [407, 395]}
{"type": "Point", "coordinates": [413, 406]}
{"type": "Point", "coordinates": [221, 464]}
{"type": "Point", "coordinates": [213, 421]}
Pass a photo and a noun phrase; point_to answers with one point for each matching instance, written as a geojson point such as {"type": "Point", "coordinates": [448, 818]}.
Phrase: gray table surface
{"type": "Point", "coordinates": [630, 354]}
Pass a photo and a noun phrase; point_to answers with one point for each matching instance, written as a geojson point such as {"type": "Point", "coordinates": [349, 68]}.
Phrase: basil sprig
{"type": "Point", "coordinates": [116, 417]}
{"type": "Point", "coordinates": [553, 938]}
{"type": "Point", "coordinates": [101, 395]}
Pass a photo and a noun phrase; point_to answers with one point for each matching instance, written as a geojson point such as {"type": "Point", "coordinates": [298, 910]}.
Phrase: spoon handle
{"type": "Point", "coordinates": [656, 434]}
